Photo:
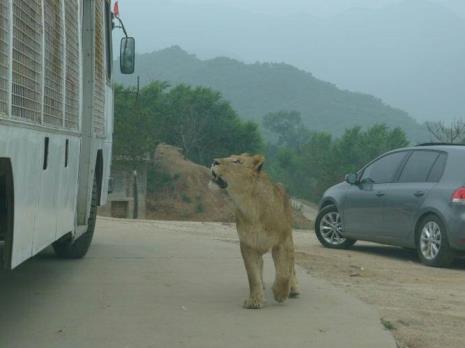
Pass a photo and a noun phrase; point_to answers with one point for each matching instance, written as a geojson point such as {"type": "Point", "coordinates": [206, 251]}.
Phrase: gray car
{"type": "Point", "coordinates": [411, 197]}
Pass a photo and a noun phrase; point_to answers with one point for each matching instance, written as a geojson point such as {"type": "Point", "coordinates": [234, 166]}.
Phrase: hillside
{"type": "Point", "coordinates": [256, 89]}
{"type": "Point", "coordinates": [186, 196]}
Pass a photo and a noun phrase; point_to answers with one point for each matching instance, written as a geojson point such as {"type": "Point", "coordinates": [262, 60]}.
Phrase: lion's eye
{"type": "Point", "coordinates": [237, 161]}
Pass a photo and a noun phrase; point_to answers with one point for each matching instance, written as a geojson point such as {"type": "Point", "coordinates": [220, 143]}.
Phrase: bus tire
{"type": "Point", "coordinates": [77, 249]}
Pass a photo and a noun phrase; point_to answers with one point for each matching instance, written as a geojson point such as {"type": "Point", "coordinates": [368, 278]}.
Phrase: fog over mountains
{"type": "Point", "coordinates": [410, 53]}
{"type": "Point", "coordinates": [257, 89]}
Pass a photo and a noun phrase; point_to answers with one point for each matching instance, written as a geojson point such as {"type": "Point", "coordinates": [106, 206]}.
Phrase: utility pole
{"type": "Point", "coordinates": [135, 195]}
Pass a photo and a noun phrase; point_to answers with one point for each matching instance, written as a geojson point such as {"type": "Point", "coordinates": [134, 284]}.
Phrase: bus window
{"type": "Point", "coordinates": [4, 55]}
{"type": "Point", "coordinates": [100, 74]}
{"type": "Point", "coordinates": [27, 60]}
{"type": "Point", "coordinates": [72, 65]}
{"type": "Point", "coordinates": [54, 63]}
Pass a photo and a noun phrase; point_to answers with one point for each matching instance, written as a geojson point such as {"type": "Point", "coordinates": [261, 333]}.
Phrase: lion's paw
{"type": "Point", "coordinates": [294, 293]}
{"type": "Point", "coordinates": [280, 293]}
{"type": "Point", "coordinates": [251, 303]}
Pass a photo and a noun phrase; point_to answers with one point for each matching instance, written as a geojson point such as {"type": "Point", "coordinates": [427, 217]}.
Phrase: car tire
{"type": "Point", "coordinates": [328, 227]}
{"type": "Point", "coordinates": [432, 244]}
{"type": "Point", "coordinates": [76, 249]}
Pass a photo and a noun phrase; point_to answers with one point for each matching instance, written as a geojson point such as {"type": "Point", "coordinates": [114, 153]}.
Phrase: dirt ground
{"type": "Point", "coordinates": [423, 307]}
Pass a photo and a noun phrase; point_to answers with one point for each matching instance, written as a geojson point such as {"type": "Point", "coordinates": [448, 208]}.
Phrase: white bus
{"type": "Point", "coordinates": [56, 123]}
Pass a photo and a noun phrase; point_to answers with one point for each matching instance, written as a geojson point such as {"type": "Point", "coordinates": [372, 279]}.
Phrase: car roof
{"type": "Point", "coordinates": [436, 146]}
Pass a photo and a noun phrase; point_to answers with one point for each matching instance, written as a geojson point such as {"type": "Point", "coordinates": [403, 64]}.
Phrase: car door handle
{"type": "Point", "coordinates": [379, 194]}
{"type": "Point", "coordinates": [419, 194]}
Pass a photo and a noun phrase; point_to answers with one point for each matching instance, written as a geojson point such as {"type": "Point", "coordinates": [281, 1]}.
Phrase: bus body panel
{"type": "Point", "coordinates": [53, 200]}
{"type": "Point", "coordinates": [93, 55]}
{"type": "Point", "coordinates": [45, 200]}
{"type": "Point", "coordinates": [107, 144]}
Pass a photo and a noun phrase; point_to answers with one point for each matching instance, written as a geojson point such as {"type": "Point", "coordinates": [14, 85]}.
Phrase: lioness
{"type": "Point", "coordinates": [264, 222]}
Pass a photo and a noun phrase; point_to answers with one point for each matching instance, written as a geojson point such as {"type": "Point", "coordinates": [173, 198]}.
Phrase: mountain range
{"type": "Point", "coordinates": [257, 89]}
{"type": "Point", "coordinates": [410, 53]}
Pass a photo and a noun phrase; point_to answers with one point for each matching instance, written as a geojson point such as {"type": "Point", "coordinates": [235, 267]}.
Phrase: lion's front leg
{"type": "Point", "coordinates": [253, 264]}
{"type": "Point", "coordinates": [283, 257]}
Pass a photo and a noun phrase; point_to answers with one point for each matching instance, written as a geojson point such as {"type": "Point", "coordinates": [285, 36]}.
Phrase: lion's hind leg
{"type": "Point", "coordinates": [283, 257]}
{"type": "Point", "coordinates": [260, 262]}
{"type": "Point", "coordinates": [254, 265]}
{"type": "Point", "coordinates": [294, 292]}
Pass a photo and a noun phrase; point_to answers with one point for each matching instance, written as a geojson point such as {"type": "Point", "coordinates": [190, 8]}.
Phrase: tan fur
{"type": "Point", "coordinates": [264, 223]}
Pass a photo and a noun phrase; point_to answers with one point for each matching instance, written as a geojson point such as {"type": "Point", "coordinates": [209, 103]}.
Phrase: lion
{"type": "Point", "coordinates": [263, 221]}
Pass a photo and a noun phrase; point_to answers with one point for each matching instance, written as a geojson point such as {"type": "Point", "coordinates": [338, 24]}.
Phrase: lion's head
{"type": "Point", "coordinates": [236, 171]}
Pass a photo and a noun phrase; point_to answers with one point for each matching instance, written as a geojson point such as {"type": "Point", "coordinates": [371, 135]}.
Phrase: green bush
{"type": "Point", "coordinates": [185, 198]}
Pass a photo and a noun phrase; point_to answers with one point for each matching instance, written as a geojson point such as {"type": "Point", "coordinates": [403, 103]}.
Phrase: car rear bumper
{"type": "Point", "coordinates": [456, 228]}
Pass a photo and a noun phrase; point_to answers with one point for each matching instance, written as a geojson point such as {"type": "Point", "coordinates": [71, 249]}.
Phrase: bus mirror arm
{"type": "Point", "coordinates": [120, 26]}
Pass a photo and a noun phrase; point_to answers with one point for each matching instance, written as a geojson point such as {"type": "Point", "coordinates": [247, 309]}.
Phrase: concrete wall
{"type": "Point", "coordinates": [121, 200]}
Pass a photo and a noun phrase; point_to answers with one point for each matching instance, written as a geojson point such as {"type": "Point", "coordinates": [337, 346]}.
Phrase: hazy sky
{"type": "Point", "coordinates": [410, 53]}
{"type": "Point", "coordinates": [321, 8]}
{"type": "Point", "coordinates": [314, 7]}
{"type": "Point", "coordinates": [136, 12]}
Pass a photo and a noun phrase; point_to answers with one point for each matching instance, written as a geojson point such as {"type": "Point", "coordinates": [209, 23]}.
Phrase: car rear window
{"type": "Point", "coordinates": [438, 168]}
{"type": "Point", "coordinates": [418, 166]}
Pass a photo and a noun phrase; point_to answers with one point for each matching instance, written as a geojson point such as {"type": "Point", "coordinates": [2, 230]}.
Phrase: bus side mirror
{"type": "Point", "coordinates": [127, 58]}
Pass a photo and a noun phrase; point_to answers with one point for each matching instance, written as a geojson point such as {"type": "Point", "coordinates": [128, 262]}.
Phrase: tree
{"type": "Point", "coordinates": [452, 133]}
{"type": "Point", "coordinates": [287, 127]}
{"type": "Point", "coordinates": [323, 161]}
{"type": "Point", "coordinates": [355, 149]}
{"type": "Point", "coordinates": [197, 119]}
{"type": "Point", "coordinates": [136, 118]}
{"type": "Point", "coordinates": [205, 126]}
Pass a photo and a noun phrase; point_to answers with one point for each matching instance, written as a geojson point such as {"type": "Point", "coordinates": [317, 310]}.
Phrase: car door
{"type": "Point", "coordinates": [363, 204]}
{"type": "Point", "coordinates": [405, 196]}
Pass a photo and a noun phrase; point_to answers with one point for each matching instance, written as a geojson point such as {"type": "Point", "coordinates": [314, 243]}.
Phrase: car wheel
{"type": "Point", "coordinates": [328, 229]}
{"type": "Point", "coordinates": [77, 249]}
{"type": "Point", "coordinates": [432, 245]}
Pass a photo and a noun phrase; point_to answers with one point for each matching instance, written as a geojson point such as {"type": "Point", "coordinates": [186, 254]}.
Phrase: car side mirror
{"type": "Point", "coordinates": [127, 58]}
{"type": "Point", "coordinates": [351, 179]}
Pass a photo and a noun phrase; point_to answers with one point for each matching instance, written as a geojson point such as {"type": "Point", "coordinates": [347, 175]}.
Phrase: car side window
{"type": "Point", "coordinates": [418, 166]}
{"type": "Point", "coordinates": [438, 168]}
{"type": "Point", "coordinates": [384, 169]}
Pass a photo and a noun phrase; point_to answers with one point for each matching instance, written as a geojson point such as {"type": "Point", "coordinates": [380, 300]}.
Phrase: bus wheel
{"type": "Point", "coordinates": [76, 249]}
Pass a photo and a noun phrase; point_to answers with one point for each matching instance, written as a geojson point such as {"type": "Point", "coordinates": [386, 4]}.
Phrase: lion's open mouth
{"type": "Point", "coordinates": [218, 180]}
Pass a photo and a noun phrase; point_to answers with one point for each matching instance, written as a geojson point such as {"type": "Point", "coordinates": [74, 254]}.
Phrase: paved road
{"type": "Point", "coordinates": [161, 284]}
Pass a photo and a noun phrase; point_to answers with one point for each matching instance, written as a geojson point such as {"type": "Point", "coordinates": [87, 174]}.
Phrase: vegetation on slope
{"type": "Point", "coordinates": [205, 126]}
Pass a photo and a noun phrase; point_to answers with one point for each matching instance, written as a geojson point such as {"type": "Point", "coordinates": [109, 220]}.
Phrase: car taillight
{"type": "Point", "coordinates": [459, 196]}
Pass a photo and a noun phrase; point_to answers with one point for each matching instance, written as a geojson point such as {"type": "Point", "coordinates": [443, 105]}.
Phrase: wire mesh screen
{"type": "Point", "coordinates": [27, 60]}
{"type": "Point", "coordinates": [4, 55]}
{"type": "Point", "coordinates": [72, 65]}
{"type": "Point", "coordinates": [53, 98]}
{"type": "Point", "coordinates": [99, 84]}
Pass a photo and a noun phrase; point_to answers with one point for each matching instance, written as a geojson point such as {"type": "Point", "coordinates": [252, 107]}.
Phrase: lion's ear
{"type": "Point", "coordinates": [258, 161]}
